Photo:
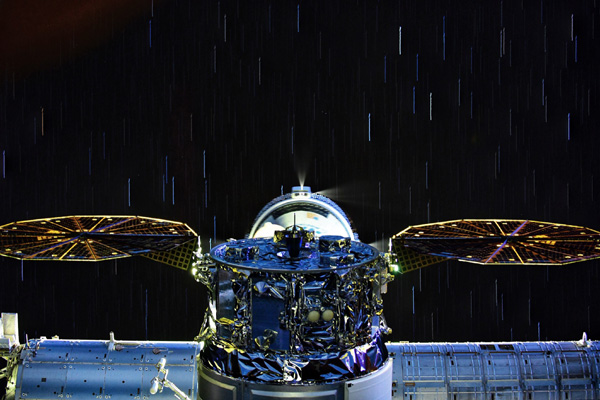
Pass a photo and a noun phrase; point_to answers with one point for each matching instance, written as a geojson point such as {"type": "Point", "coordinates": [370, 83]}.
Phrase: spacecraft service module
{"type": "Point", "coordinates": [296, 311]}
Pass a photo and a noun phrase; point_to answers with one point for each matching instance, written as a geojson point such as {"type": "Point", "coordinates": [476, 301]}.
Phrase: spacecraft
{"type": "Point", "coordinates": [295, 311]}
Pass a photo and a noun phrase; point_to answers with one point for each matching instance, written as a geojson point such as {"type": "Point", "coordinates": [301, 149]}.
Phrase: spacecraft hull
{"type": "Point", "coordinates": [506, 370]}
{"type": "Point", "coordinates": [300, 315]}
{"type": "Point", "coordinates": [100, 369]}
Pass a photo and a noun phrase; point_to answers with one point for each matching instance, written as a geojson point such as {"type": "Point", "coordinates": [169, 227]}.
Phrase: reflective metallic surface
{"type": "Point", "coordinates": [55, 369]}
{"type": "Point", "coordinates": [374, 386]}
{"type": "Point", "coordinates": [94, 369]}
{"type": "Point", "coordinates": [329, 254]}
{"type": "Point", "coordinates": [308, 368]}
{"type": "Point", "coordinates": [312, 318]}
{"type": "Point", "coordinates": [311, 211]}
{"type": "Point", "coordinates": [509, 370]}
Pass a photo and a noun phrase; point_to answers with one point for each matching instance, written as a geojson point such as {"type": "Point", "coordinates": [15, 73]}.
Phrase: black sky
{"type": "Point", "coordinates": [403, 112]}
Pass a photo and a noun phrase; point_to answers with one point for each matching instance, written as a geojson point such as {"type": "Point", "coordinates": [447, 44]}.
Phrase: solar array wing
{"type": "Point", "coordinates": [91, 238]}
{"type": "Point", "coordinates": [500, 241]}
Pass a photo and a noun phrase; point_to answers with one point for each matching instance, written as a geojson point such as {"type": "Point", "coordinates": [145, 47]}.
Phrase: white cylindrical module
{"type": "Point", "coordinates": [94, 369]}
{"type": "Point", "coordinates": [100, 369]}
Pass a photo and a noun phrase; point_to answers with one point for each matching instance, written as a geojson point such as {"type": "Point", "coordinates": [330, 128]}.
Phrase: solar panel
{"type": "Point", "coordinates": [501, 241]}
{"type": "Point", "coordinates": [91, 238]}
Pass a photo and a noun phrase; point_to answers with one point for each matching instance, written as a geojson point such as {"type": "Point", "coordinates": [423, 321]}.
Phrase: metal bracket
{"type": "Point", "coordinates": [158, 383]}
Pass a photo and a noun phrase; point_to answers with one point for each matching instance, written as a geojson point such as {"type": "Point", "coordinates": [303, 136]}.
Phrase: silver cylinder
{"type": "Point", "coordinates": [99, 369]}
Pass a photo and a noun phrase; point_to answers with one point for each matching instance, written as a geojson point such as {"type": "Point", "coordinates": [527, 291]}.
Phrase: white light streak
{"type": "Point", "coordinates": [400, 40]}
{"type": "Point", "coordinates": [430, 106]}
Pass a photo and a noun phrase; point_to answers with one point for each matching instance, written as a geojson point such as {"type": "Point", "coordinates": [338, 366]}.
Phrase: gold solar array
{"type": "Point", "coordinates": [501, 241]}
{"type": "Point", "coordinates": [409, 260]}
{"type": "Point", "coordinates": [179, 257]}
{"type": "Point", "coordinates": [91, 238]}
